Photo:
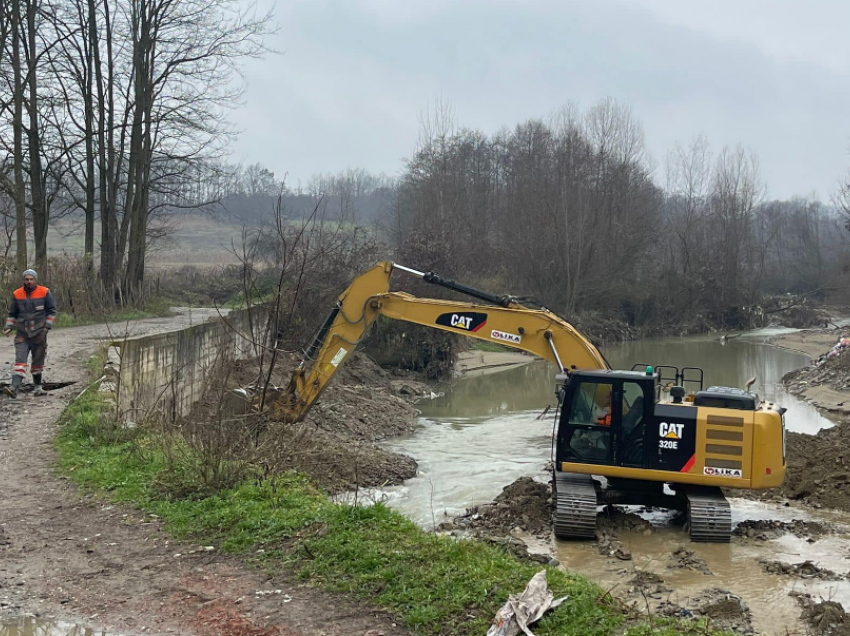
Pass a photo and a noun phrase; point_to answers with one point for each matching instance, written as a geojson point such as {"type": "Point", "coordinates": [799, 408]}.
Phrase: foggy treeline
{"type": "Point", "coordinates": [247, 194]}
{"type": "Point", "coordinates": [114, 111]}
{"type": "Point", "coordinates": [573, 212]}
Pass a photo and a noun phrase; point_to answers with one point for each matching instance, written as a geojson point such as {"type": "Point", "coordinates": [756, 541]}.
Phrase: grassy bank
{"type": "Point", "coordinates": [155, 308]}
{"type": "Point", "coordinates": [435, 585]}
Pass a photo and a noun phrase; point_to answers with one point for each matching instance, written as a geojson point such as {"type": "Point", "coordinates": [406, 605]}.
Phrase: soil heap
{"type": "Point", "coordinates": [526, 504]}
{"type": "Point", "coordinates": [336, 443]}
{"type": "Point", "coordinates": [818, 466]}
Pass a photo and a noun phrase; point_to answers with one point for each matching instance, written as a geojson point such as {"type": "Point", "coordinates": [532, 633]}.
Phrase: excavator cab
{"type": "Point", "coordinates": [604, 418]}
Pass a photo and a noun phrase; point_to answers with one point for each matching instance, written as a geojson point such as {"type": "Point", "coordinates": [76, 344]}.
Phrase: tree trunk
{"type": "Point", "coordinates": [39, 202]}
{"type": "Point", "coordinates": [18, 134]}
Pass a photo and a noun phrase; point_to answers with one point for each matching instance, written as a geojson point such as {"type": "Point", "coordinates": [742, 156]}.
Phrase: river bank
{"type": "Point", "coordinates": [825, 382]}
{"type": "Point", "coordinates": [818, 468]}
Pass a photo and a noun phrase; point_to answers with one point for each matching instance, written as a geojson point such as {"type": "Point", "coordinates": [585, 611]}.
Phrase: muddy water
{"type": "Point", "coordinates": [37, 627]}
{"type": "Point", "coordinates": [485, 433]}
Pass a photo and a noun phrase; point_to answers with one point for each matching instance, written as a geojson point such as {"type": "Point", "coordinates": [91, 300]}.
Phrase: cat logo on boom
{"type": "Point", "coordinates": [670, 430]}
{"type": "Point", "coordinates": [464, 320]}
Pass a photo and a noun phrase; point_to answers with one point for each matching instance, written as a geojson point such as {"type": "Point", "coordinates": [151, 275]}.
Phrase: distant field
{"type": "Point", "coordinates": [195, 240]}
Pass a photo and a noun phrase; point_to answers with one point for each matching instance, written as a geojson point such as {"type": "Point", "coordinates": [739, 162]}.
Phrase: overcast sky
{"type": "Point", "coordinates": [355, 77]}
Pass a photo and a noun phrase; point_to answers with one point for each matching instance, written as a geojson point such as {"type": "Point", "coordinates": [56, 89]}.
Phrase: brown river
{"type": "Point", "coordinates": [484, 433]}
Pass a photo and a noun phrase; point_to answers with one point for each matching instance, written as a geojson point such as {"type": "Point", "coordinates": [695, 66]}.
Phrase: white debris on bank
{"type": "Point", "coordinates": [525, 609]}
{"type": "Point", "coordinates": [837, 350]}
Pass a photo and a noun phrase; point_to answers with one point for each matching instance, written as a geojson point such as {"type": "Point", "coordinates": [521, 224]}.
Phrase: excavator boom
{"type": "Point", "coordinates": [536, 331]}
{"type": "Point", "coordinates": [611, 423]}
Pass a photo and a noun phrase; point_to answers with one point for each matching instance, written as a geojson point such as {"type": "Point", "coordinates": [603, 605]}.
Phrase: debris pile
{"type": "Point", "coordinates": [805, 570]}
{"type": "Point", "coordinates": [827, 618]}
{"type": "Point", "coordinates": [684, 559]}
{"type": "Point", "coordinates": [830, 370]}
{"type": "Point", "coordinates": [524, 504]}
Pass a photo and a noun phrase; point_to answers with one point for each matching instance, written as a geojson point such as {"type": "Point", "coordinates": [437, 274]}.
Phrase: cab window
{"type": "Point", "coordinates": [632, 406]}
{"type": "Point", "coordinates": [592, 405]}
{"type": "Point", "coordinates": [589, 434]}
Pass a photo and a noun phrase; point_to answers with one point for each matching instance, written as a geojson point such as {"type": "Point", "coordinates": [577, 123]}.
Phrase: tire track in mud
{"type": "Point", "coordinates": [70, 556]}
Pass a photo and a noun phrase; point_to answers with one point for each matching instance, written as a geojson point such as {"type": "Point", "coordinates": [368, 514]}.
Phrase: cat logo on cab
{"type": "Point", "coordinates": [670, 430]}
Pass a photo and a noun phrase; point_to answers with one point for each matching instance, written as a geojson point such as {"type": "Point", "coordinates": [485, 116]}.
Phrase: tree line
{"type": "Point", "coordinates": [573, 212]}
{"type": "Point", "coordinates": [114, 110]}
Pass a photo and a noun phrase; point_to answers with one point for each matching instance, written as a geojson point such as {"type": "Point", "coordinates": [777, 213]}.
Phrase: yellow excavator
{"type": "Point", "coordinates": [654, 433]}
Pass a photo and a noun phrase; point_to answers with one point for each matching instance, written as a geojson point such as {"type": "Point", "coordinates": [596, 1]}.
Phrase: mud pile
{"type": "Point", "coordinates": [726, 611]}
{"type": "Point", "coordinates": [827, 618]}
{"type": "Point", "coordinates": [648, 584]}
{"type": "Point", "coordinates": [524, 504]}
{"type": "Point", "coordinates": [805, 570]}
{"type": "Point", "coordinates": [527, 504]}
{"type": "Point", "coordinates": [684, 559]}
{"type": "Point", "coordinates": [766, 529]}
{"type": "Point", "coordinates": [613, 519]}
{"type": "Point", "coordinates": [335, 444]}
{"type": "Point", "coordinates": [818, 470]}
{"type": "Point", "coordinates": [609, 523]}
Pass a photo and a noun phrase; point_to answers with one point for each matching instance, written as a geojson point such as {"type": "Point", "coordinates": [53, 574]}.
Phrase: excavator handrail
{"type": "Point", "coordinates": [536, 331]}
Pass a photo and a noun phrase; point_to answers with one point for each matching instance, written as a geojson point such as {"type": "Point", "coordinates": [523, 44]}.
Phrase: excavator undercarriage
{"type": "Point", "coordinates": [576, 497]}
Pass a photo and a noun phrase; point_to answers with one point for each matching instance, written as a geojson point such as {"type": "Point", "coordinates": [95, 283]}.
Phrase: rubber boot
{"type": "Point", "coordinates": [12, 391]}
{"type": "Point", "coordinates": [36, 380]}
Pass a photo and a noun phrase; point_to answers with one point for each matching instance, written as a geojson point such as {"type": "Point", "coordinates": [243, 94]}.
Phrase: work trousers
{"type": "Point", "coordinates": [37, 346]}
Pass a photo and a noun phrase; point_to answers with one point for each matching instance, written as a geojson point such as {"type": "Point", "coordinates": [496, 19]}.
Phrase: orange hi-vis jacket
{"type": "Point", "coordinates": [31, 312]}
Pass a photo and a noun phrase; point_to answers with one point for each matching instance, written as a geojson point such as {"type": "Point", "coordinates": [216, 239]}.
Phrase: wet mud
{"type": "Point", "coordinates": [644, 558]}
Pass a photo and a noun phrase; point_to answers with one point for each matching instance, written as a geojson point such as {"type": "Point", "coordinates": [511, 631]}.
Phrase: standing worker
{"type": "Point", "coordinates": [31, 313]}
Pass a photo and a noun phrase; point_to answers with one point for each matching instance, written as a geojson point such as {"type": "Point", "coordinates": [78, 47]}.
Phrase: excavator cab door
{"type": "Point", "coordinates": [585, 432]}
{"type": "Point", "coordinates": [605, 420]}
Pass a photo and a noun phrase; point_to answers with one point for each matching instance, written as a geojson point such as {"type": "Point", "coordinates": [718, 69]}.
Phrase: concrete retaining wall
{"type": "Point", "coordinates": [167, 373]}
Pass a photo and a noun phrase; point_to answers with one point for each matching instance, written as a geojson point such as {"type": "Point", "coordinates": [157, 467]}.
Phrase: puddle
{"type": "Point", "coordinates": [734, 567]}
{"type": "Point", "coordinates": [29, 626]}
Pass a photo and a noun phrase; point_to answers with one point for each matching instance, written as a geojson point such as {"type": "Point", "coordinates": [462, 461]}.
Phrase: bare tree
{"type": "Point", "coordinates": [184, 57]}
{"type": "Point", "coordinates": [842, 199]}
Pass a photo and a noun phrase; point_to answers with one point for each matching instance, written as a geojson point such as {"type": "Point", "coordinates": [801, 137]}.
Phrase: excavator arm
{"type": "Point", "coordinates": [506, 322]}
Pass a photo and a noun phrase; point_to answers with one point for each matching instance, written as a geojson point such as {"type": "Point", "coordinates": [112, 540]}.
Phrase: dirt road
{"type": "Point", "coordinates": [70, 556]}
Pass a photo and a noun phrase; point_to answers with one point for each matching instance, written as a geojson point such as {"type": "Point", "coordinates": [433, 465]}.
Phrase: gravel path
{"type": "Point", "coordinates": [71, 556]}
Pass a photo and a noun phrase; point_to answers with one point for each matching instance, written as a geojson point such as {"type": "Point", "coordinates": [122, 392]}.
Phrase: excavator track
{"type": "Point", "coordinates": [709, 515]}
{"type": "Point", "coordinates": [575, 506]}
